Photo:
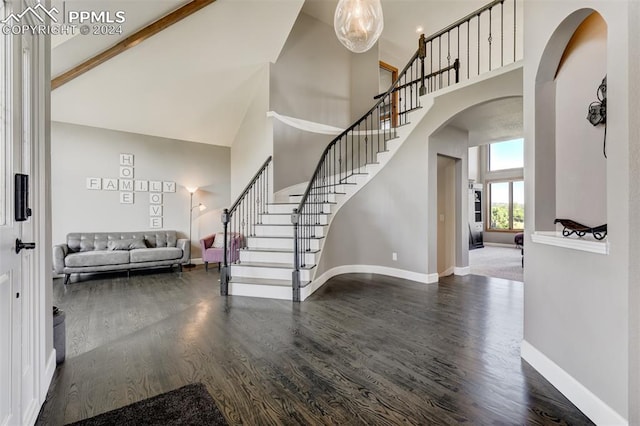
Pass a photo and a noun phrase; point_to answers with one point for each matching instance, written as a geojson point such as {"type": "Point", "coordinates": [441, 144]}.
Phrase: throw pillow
{"type": "Point", "coordinates": [218, 241]}
{"type": "Point", "coordinates": [128, 244]}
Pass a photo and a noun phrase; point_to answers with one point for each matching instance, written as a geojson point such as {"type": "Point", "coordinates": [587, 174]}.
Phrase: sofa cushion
{"type": "Point", "coordinates": [128, 244]}
{"type": "Point", "coordinates": [155, 254]}
{"type": "Point", "coordinates": [89, 241]}
{"type": "Point", "coordinates": [96, 258]}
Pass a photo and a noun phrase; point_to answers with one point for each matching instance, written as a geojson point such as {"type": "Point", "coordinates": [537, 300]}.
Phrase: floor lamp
{"type": "Point", "coordinates": [199, 206]}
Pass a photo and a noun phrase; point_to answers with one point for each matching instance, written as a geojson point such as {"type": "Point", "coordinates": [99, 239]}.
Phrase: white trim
{"type": "Point", "coordinates": [592, 406]}
{"type": "Point", "coordinates": [50, 369]}
{"type": "Point", "coordinates": [306, 125]}
{"type": "Point", "coordinates": [30, 413]}
{"type": "Point", "coordinates": [432, 278]}
{"type": "Point", "coordinates": [366, 269]}
{"type": "Point", "coordinates": [462, 270]}
{"type": "Point", "coordinates": [314, 127]}
{"type": "Point", "coordinates": [586, 243]}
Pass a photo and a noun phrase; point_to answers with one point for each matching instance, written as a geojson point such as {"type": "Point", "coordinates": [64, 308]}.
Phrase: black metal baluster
{"type": "Point", "coordinates": [514, 29]}
{"type": "Point", "coordinates": [468, 47]}
{"type": "Point", "coordinates": [478, 44]}
{"type": "Point", "coordinates": [458, 40]}
{"type": "Point", "coordinates": [359, 149]}
{"type": "Point", "coordinates": [490, 39]}
{"type": "Point", "coordinates": [502, 34]}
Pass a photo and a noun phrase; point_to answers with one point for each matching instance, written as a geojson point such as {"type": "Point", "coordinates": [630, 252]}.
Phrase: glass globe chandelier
{"type": "Point", "coordinates": [358, 24]}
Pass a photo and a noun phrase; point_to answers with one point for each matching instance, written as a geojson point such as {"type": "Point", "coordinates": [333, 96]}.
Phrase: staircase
{"type": "Point", "coordinates": [266, 264]}
{"type": "Point", "coordinates": [272, 248]}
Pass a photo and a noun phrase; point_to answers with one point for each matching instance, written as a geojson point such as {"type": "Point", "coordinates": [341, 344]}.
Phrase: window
{"type": "Point", "coordinates": [506, 155]}
{"type": "Point", "coordinates": [506, 206]}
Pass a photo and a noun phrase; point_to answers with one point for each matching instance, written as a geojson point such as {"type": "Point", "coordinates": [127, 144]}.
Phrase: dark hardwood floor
{"type": "Point", "coordinates": [365, 349]}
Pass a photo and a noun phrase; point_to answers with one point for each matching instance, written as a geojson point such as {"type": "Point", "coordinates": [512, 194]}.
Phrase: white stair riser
{"type": "Point", "coordinates": [273, 257]}
{"type": "Point", "coordinates": [332, 198]}
{"type": "Point", "coordinates": [264, 291]}
{"type": "Point", "coordinates": [238, 270]}
{"type": "Point", "coordinates": [383, 157]}
{"type": "Point", "coordinates": [373, 168]}
{"type": "Point", "coordinates": [283, 231]}
{"type": "Point", "coordinates": [278, 243]}
{"type": "Point", "coordinates": [358, 179]}
{"type": "Point", "coordinates": [288, 208]}
{"type": "Point", "coordinates": [281, 208]}
{"type": "Point", "coordinates": [285, 219]}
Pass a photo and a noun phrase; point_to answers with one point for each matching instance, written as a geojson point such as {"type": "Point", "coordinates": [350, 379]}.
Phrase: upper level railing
{"type": "Point", "coordinates": [241, 219]}
{"type": "Point", "coordinates": [483, 40]}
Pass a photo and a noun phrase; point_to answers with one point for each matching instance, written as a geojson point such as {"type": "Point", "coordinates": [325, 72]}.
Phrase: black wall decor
{"type": "Point", "coordinates": [572, 227]}
{"type": "Point", "coordinates": [597, 113]}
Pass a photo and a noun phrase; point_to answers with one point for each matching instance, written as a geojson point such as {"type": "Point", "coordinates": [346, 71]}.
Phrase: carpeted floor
{"type": "Point", "coordinates": [189, 405]}
{"type": "Point", "coordinates": [498, 262]}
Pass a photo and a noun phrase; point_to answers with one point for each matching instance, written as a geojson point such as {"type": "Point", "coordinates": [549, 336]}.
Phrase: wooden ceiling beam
{"type": "Point", "coordinates": [131, 41]}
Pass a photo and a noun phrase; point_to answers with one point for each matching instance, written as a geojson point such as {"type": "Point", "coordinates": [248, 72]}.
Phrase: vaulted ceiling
{"type": "Point", "coordinates": [192, 81]}
{"type": "Point", "coordinates": [195, 80]}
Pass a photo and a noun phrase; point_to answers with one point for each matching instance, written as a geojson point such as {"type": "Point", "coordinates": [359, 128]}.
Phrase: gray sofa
{"type": "Point", "coordinates": [119, 251]}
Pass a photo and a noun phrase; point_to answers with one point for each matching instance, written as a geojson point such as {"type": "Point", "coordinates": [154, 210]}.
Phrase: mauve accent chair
{"type": "Point", "coordinates": [213, 248]}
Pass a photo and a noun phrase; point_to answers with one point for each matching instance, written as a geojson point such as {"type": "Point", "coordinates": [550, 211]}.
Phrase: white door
{"type": "Point", "coordinates": [19, 299]}
{"type": "Point", "coordinates": [10, 262]}
{"type": "Point", "coordinates": [28, 302]}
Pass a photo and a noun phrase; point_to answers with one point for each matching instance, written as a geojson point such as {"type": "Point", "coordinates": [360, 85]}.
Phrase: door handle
{"type": "Point", "coordinates": [27, 246]}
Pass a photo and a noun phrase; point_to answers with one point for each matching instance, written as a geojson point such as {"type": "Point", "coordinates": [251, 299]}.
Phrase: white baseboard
{"type": "Point", "coordinates": [48, 374]}
{"type": "Point", "coordinates": [367, 269]}
{"type": "Point", "coordinates": [45, 383]}
{"type": "Point", "coordinates": [432, 278]}
{"type": "Point", "coordinates": [592, 406]}
{"type": "Point", "coordinates": [30, 414]}
{"type": "Point", "coordinates": [462, 270]}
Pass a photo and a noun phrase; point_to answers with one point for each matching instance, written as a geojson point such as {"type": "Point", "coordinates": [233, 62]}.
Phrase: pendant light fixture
{"type": "Point", "coordinates": [358, 23]}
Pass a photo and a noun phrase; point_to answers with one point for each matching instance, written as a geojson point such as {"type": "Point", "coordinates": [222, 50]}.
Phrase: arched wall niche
{"type": "Point", "coordinates": [570, 167]}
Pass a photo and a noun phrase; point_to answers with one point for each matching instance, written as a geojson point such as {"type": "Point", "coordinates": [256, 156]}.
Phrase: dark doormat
{"type": "Point", "coordinates": [188, 405]}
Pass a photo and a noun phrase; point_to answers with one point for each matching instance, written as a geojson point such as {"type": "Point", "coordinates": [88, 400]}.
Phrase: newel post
{"type": "Point", "coordinates": [224, 271]}
{"type": "Point", "coordinates": [295, 275]}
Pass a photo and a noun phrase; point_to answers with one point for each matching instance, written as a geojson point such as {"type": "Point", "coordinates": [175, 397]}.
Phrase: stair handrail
{"type": "Point", "coordinates": [302, 202]}
{"type": "Point", "coordinates": [300, 210]}
{"type": "Point", "coordinates": [256, 192]}
{"type": "Point", "coordinates": [328, 171]}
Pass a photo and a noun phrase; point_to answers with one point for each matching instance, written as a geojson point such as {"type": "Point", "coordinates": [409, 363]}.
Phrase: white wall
{"type": "Point", "coordinates": [254, 141]}
{"type": "Point", "coordinates": [634, 220]}
{"type": "Point", "coordinates": [311, 80]}
{"type": "Point", "coordinates": [577, 303]}
{"type": "Point", "coordinates": [581, 169]}
{"type": "Point", "coordinates": [396, 211]}
{"type": "Point", "coordinates": [365, 81]}
{"type": "Point", "coordinates": [473, 163]}
{"type": "Point", "coordinates": [80, 152]}
{"type": "Point", "coordinates": [452, 143]}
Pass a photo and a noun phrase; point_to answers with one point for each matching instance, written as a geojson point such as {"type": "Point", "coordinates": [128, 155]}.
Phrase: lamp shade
{"type": "Point", "coordinates": [358, 23]}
